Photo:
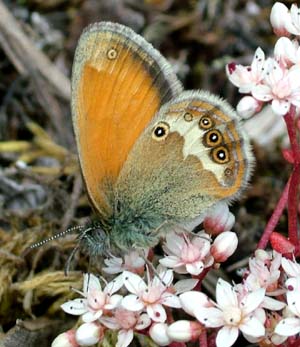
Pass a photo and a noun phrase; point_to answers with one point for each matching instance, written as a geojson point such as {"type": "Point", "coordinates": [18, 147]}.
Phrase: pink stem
{"type": "Point", "coordinates": [295, 178]}
{"type": "Point", "coordinates": [292, 205]}
{"type": "Point", "coordinates": [291, 128]}
{"type": "Point", "coordinates": [203, 339]}
{"type": "Point", "coordinates": [274, 218]}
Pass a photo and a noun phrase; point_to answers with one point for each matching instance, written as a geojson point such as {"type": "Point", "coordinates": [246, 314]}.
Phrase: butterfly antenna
{"type": "Point", "coordinates": [56, 236]}
{"type": "Point", "coordinates": [68, 263]}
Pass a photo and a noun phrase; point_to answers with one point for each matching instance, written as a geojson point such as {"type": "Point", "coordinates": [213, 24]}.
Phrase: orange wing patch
{"type": "Point", "coordinates": [119, 83]}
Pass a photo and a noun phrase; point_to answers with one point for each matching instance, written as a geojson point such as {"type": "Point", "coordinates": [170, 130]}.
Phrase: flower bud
{"type": "Point", "coordinates": [184, 331]}
{"type": "Point", "coordinates": [89, 334]}
{"type": "Point", "coordinates": [218, 219]}
{"type": "Point", "coordinates": [279, 17]}
{"type": "Point", "coordinates": [281, 244]}
{"type": "Point", "coordinates": [158, 333]}
{"type": "Point", "coordinates": [248, 106]}
{"type": "Point", "coordinates": [66, 339]}
{"type": "Point", "coordinates": [224, 246]}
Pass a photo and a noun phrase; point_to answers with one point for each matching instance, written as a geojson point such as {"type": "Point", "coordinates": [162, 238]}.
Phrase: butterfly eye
{"type": "Point", "coordinates": [220, 155]}
{"type": "Point", "coordinates": [160, 131]}
{"type": "Point", "coordinates": [206, 123]}
{"type": "Point", "coordinates": [213, 138]}
{"type": "Point", "coordinates": [188, 117]}
{"type": "Point", "coordinates": [112, 54]}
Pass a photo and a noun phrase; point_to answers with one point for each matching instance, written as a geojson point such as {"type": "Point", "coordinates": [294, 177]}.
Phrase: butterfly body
{"type": "Point", "coordinates": [152, 156]}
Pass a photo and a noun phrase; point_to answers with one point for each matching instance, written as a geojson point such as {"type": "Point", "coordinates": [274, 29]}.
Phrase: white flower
{"type": "Point", "coordinates": [224, 246]}
{"type": "Point", "coordinates": [151, 296]}
{"type": "Point", "coordinates": [66, 339]}
{"type": "Point", "coordinates": [133, 262]}
{"type": "Point", "coordinates": [185, 255]}
{"type": "Point", "coordinates": [218, 219]}
{"type": "Point", "coordinates": [281, 86]}
{"type": "Point", "coordinates": [264, 271]}
{"type": "Point", "coordinates": [248, 106]}
{"type": "Point", "coordinates": [291, 268]}
{"type": "Point", "coordinates": [94, 300]}
{"type": "Point", "coordinates": [246, 77]}
{"type": "Point", "coordinates": [279, 17]}
{"type": "Point", "coordinates": [291, 326]}
{"type": "Point", "coordinates": [232, 314]}
{"type": "Point", "coordinates": [287, 52]}
{"type": "Point", "coordinates": [184, 331]}
{"type": "Point", "coordinates": [126, 322]}
{"type": "Point", "coordinates": [292, 24]}
{"type": "Point", "coordinates": [89, 334]}
{"type": "Point", "coordinates": [158, 333]}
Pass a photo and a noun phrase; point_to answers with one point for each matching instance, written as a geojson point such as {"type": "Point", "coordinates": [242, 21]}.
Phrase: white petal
{"type": "Point", "coordinates": [252, 326]}
{"type": "Point", "coordinates": [252, 300]}
{"type": "Point", "coordinates": [157, 313]}
{"type": "Point", "coordinates": [272, 304]}
{"type": "Point", "coordinates": [227, 336]}
{"type": "Point", "coordinates": [262, 92]}
{"type": "Point", "coordinates": [158, 333]}
{"type": "Point", "coordinates": [132, 303]}
{"type": "Point", "coordinates": [76, 307]}
{"type": "Point", "coordinates": [90, 316]}
{"type": "Point", "coordinates": [89, 334]}
{"type": "Point", "coordinates": [185, 285]}
{"type": "Point", "coordinates": [114, 265]}
{"type": "Point", "coordinates": [193, 301]}
{"type": "Point", "coordinates": [114, 285]}
{"type": "Point", "coordinates": [133, 282]}
{"type": "Point", "coordinates": [288, 327]}
{"type": "Point", "coordinates": [170, 261]}
{"type": "Point", "coordinates": [174, 243]}
{"type": "Point", "coordinates": [195, 268]}
{"type": "Point", "coordinates": [211, 317]}
{"type": "Point", "coordinates": [225, 294]}
{"type": "Point", "coordinates": [290, 267]}
{"type": "Point", "coordinates": [114, 301]}
{"type": "Point", "coordinates": [124, 338]}
{"type": "Point", "coordinates": [90, 282]}
{"type": "Point", "coordinates": [143, 322]}
{"type": "Point", "coordinates": [165, 276]}
{"type": "Point", "coordinates": [280, 107]}
{"type": "Point", "coordinates": [110, 322]}
{"type": "Point", "coordinates": [248, 106]}
{"type": "Point", "coordinates": [170, 300]}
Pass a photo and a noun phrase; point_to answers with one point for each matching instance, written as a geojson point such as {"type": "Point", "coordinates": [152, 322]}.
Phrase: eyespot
{"type": "Point", "coordinates": [112, 54]}
{"type": "Point", "coordinates": [188, 117]}
{"type": "Point", "coordinates": [228, 172]}
{"type": "Point", "coordinates": [220, 155]}
{"type": "Point", "coordinates": [206, 122]}
{"type": "Point", "coordinates": [213, 138]}
{"type": "Point", "coordinates": [160, 131]}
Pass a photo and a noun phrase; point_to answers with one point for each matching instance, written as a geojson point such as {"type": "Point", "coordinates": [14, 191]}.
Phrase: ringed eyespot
{"type": "Point", "coordinates": [206, 123]}
{"type": "Point", "coordinates": [112, 54]}
{"type": "Point", "coordinates": [220, 155]}
{"type": "Point", "coordinates": [213, 138]}
{"type": "Point", "coordinates": [228, 172]}
{"type": "Point", "coordinates": [160, 131]}
{"type": "Point", "coordinates": [188, 117]}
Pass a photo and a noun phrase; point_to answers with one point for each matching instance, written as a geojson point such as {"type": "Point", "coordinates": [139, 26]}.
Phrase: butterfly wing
{"type": "Point", "coordinates": [119, 82]}
{"type": "Point", "coordinates": [199, 156]}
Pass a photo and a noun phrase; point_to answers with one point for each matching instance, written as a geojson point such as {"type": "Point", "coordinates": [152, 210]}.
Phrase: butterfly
{"type": "Point", "coordinates": [152, 155]}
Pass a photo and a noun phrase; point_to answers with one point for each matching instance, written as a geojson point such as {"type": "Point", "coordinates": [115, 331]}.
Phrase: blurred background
{"type": "Point", "coordinates": [41, 190]}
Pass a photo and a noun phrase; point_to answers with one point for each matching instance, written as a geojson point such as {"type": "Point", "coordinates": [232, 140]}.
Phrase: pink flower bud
{"type": "Point", "coordinates": [218, 219]}
{"type": "Point", "coordinates": [224, 246]}
{"type": "Point", "coordinates": [281, 244]}
{"type": "Point", "coordinates": [248, 106]}
{"type": "Point", "coordinates": [66, 339]}
{"type": "Point", "coordinates": [158, 333]}
{"type": "Point", "coordinates": [89, 334]}
{"type": "Point", "coordinates": [279, 17]}
{"type": "Point", "coordinates": [184, 331]}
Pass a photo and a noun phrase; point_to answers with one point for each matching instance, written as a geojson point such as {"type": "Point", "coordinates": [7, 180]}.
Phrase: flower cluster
{"type": "Point", "coordinates": [275, 79]}
{"type": "Point", "coordinates": [264, 307]}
